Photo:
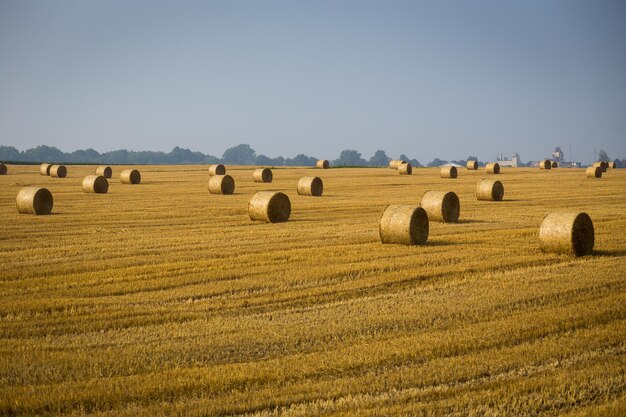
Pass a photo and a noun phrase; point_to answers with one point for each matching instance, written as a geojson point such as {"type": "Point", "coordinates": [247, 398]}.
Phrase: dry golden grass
{"type": "Point", "coordinates": [162, 299]}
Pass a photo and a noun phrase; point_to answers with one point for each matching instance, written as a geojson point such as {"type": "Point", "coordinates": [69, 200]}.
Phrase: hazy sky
{"type": "Point", "coordinates": [430, 79]}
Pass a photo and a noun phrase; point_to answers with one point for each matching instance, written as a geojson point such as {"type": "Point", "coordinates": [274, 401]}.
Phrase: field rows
{"type": "Point", "coordinates": [163, 299]}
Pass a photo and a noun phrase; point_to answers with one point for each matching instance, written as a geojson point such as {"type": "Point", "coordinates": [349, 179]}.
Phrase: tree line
{"type": "Point", "coordinates": [242, 154]}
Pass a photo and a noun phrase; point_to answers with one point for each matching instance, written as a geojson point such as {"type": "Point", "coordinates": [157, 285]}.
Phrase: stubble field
{"type": "Point", "coordinates": [161, 299]}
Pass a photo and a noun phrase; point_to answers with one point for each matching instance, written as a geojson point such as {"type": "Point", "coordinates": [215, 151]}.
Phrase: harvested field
{"type": "Point", "coordinates": [122, 305]}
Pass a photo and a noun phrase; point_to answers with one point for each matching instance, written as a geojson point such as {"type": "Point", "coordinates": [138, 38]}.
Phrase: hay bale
{"type": "Point", "coordinates": [602, 164]}
{"type": "Point", "coordinates": [323, 164]}
{"type": "Point", "coordinates": [58, 171]}
{"type": "Point", "coordinates": [448, 172]}
{"type": "Point", "coordinates": [612, 165]}
{"type": "Point", "coordinates": [34, 200]}
{"type": "Point", "coordinates": [95, 184]}
{"type": "Point", "coordinates": [310, 186]}
{"type": "Point", "coordinates": [262, 175]}
{"type": "Point", "coordinates": [472, 165]}
{"type": "Point", "coordinates": [104, 171]}
{"type": "Point", "coordinates": [567, 233]}
{"type": "Point", "coordinates": [404, 225]}
{"type": "Point", "coordinates": [441, 206]}
{"type": "Point", "coordinates": [130, 176]}
{"type": "Point", "coordinates": [405, 169]}
{"type": "Point", "coordinates": [3, 169]}
{"type": "Point", "coordinates": [269, 206]}
{"type": "Point", "coordinates": [221, 184]}
{"type": "Point", "coordinates": [555, 164]}
{"type": "Point", "coordinates": [489, 190]}
{"type": "Point", "coordinates": [395, 163]}
{"type": "Point", "coordinates": [545, 164]}
{"type": "Point", "coordinates": [594, 172]}
{"type": "Point", "coordinates": [492, 168]}
{"type": "Point", "coordinates": [217, 169]}
{"type": "Point", "coordinates": [44, 169]}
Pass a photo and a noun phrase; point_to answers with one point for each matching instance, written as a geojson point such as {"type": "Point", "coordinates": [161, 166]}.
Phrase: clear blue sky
{"type": "Point", "coordinates": [430, 79]}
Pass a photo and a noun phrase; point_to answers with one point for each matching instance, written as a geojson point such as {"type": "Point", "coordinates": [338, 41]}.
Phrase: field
{"type": "Point", "coordinates": [161, 299]}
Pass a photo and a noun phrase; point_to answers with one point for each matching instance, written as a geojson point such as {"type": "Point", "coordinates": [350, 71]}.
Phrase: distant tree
{"type": "Point", "coordinates": [622, 163]}
{"type": "Point", "coordinates": [84, 156]}
{"type": "Point", "coordinates": [9, 153]}
{"type": "Point", "coordinates": [301, 160]}
{"type": "Point", "coordinates": [414, 162]}
{"type": "Point", "coordinates": [437, 162]}
{"type": "Point", "coordinates": [379, 159]}
{"type": "Point", "coordinates": [239, 155]}
{"type": "Point", "coordinates": [602, 156]}
{"type": "Point", "coordinates": [350, 157]}
{"type": "Point", "coordinates": [185, 156]}
{"type": "Point", "coordinates": [43, 153]}
{"type": "Point", "coordinates": [263, 160]}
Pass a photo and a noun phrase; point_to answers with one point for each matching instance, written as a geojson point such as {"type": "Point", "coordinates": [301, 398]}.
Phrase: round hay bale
{"type": "Point", "coordinates": [594, 172]}
{"type": "Point", "coordinates": [221, 184]}
{"type": "Point", "coordinates": [323, 164]}
{"type": "Point", "coordinates": [403, 225]}
{"type": "Point", "coordinates": [104, 171]}
{"type": "Point", "coordinates": [472, 165]}
{"type": "Point", "coordinates": [262, 175]}
{"type": "Point", "coordinates": [44, 169]}
{"type": "Point", "coordinates": [58, 171]}
{"type": "Point", "coordinates": [310, 186]}
{"type": "Point", "coordinates": [95, 184]}
{"type": "Point", "coordinates": [545, 164]}
{"type": "Point", "coordinates": [405, 169]}
{"type": "Point", "coordinates": [448, 172]}
{"type": "Point", "coordinates": [441, 206]}
{"type": "Point", "coordinates": [492, 168]}
{"type": "Point", "coordinates": [34, 200]}
{"type": "Point", "coordinates": [395, 163]}
{"type": "Point", "coordinates": [555, 164]}
{"type": "Point", "coordinates": [603, 165]}
{"type": "Point", "coordinates": [489, 190]}
{"type": "Point", "coordinates": [567, 233]}
{"type": "Point", "coordinates": [3, 169]}
{"type": "Point", "coordinates": [130, 176]}
{"type": "Point", "coordinates": [269, 206]}
{"type": "Point", "coordinates": [217, 169]}
{"type": "Point", "coordinates": [612, 165]}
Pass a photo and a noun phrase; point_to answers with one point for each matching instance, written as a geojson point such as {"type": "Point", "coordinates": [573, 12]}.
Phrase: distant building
{"type": "Point", "coordinates": [513, 162]}
{"type": "Point", "coordinates": [559, 156]}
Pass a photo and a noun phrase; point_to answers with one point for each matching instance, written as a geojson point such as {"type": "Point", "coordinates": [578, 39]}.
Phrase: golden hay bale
{"type": "Point", "coordinates": [34, 200]}
{"type": "Point", "coordinates": [545, 164]}
{"type": "Point", "coordinates": [612, 165]}
{"type": "Point", "coordinates": [602, 164]}
{"type": "Point", "coordinates": [217, 169]}
{"type": "Point", "coordinates": [58, 171]}
{"type": "Point", "coordinates": [594, 172]}
{"type": "Point", "coordinates": [448, 172]}
{"type": "Point", "coordinates": [104, 171]}
{"type": "Point", "coordinates": [395, 163]}
{"type": "Point", "coordinates": [404, 225]}
{"type": "Point", "coordinates": [555, 164]}
{"type": "Point", "coordinates": [489, 190]}
{"type": "Point", "coordinates": [472, 165]}
{"type": "Point", "coordinates": [310, 186]}
{"type": "Point", "coordinates": [3, 169]}
{"type": "Point", "coordinates": [262, 175]}
{"type": "Point", "coordinates": [44, 169]}
{"type": "Point", "coordinates": [322, 164]}
{"type": "Point", "coordinates": [269, 206]}
{"type": "Point", "coordinates": [442, 206]}
{"type": "Point", "coordinates": [130, 176]}
{"type": "Point", "coordinates": [405, 169]}
{"type": "Point", "coordinates": [95, 184]}
{"type": "Point", "coordinates": [492, 168]}
{"type": "Point", "coordinates": [567, 233]}
{"type": "Point", "coordinates": [221, 184]}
